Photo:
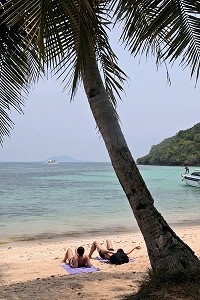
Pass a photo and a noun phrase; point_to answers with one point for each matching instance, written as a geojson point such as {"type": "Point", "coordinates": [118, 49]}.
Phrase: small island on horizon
{"type": "Point", "coordinates": [180, 149]}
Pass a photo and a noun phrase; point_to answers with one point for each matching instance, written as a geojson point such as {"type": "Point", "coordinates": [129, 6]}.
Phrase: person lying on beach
{"type": "Point", "coordinates": [115, 257]}
{"type": "Point", "coordinates": [78, 260]}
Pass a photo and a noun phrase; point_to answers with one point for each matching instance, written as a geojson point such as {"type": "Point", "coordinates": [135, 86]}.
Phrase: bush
{"type": "Point", "coordinates": [159, 286]}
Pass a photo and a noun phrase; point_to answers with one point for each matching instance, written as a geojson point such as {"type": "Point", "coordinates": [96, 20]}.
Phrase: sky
{"type": "Point", "coordinates": [150, 111]}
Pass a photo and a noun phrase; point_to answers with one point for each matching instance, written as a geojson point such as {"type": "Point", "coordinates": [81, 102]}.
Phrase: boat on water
{"type": "Point", "coordinates": [52, 162]}
{"type": "Point", "coordinates": [192, 179]}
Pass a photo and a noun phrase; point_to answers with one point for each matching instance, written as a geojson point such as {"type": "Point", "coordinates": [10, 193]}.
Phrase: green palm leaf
{"type": "Point", "coordinates": [19, 67]}
{"type": "Point", "coordinates": [171, 29]}
{"type": "Point", "coordinates": [66, 36]}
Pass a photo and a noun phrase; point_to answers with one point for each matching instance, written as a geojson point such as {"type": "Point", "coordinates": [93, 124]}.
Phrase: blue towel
{"type": "Point", "coordinates": [73, 271]}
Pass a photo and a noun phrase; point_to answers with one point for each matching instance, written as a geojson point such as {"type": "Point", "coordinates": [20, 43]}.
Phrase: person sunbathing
{"type": "Point", "coordinates": [78, 260]}
{"type": "Point", "coordinates": [107, 253]}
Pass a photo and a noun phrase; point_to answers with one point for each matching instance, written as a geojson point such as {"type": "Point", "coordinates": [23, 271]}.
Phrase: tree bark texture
{"type": "Point", "coordinates": [167, 252]}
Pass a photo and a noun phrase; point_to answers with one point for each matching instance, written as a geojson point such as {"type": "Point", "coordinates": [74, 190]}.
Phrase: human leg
{"type": "Point", "coordinates": [95, 245]}
{"type": "Point", "coordinates": [104, 253]}
{"type": "Point", "coordinates": [68, 255]}
{"type": "Point", "coordinates": [109, 245]}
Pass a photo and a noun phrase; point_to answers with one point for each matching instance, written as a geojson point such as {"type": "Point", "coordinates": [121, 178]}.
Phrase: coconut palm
{"type": "Point", "coordinates": [70, 38]}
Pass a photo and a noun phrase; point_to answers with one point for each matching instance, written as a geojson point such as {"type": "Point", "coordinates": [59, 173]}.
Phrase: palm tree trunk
{"type": "Point", "coordinates": [167, 252]}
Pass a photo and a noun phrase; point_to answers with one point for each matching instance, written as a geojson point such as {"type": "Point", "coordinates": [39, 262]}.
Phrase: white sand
{"type": "Point", "coordinates": [33, 271]}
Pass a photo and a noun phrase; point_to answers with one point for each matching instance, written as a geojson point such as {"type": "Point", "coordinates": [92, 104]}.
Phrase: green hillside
{"type": "Point", "coordinates": [183, 148]}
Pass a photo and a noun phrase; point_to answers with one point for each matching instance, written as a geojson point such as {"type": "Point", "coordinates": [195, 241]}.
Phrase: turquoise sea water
{"type": "Point", "coordinates": [75, 199]}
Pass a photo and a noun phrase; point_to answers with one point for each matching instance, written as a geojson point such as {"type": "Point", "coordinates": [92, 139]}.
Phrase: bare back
{"type": "Point", "coordinates": [82, 261]}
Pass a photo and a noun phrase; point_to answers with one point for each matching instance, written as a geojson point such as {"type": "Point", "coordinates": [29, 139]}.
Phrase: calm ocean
{"type": "Point", "coordinates": [41, 201]}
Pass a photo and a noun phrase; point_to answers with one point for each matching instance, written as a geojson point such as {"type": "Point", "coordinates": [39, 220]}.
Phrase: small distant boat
{"type": "Point", "coordinates": [192, 179]}
{"type": "Point", "coordinates": [52, 162]}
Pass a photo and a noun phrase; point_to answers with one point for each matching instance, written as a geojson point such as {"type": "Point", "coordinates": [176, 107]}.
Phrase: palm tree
{"type": "Point", "coordinates": [70, 38]}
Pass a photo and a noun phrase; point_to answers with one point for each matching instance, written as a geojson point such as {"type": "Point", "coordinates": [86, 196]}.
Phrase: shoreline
{"type": "Point", "coordinates": [88, 235]}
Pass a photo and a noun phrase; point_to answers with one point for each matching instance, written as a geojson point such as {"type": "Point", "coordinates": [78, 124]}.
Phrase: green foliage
{"type": "Point", "coordinates": [167, 29]}
{"type": "Point", "coordinates": [183, 148]}
{"type": "Point", "coordinates": [158, 286]}
{"type": "Point", "coordinates": [61, 37]}
{"type": "Point", "coordinates": [66, 37]}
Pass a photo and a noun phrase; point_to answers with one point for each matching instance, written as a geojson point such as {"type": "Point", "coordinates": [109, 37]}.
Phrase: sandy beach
{"type": "Point", "coordinates": [32, 270]}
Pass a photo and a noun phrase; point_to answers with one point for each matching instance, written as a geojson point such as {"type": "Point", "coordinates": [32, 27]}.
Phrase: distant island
{"type": "Point", "coordinates": [180, 149]}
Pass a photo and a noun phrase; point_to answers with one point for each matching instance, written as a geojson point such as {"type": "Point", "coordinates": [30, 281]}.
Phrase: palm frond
{"type": "Point", "coordinates": [69, 34]}
{"type": "Point", "coordinates": [19, 66]}
{"type": "Point", "coordinates": [170, 28]}
{"type": "Point", "coordinates": [11, 78]}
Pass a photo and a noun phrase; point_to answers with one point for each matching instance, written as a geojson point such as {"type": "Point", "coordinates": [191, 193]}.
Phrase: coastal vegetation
{"type": "Point", "coordinates": [181, 149]}
{"type": "Point", "coordinates": [70, 38]}
{"type": "Point", "coordinates": [155, 286]}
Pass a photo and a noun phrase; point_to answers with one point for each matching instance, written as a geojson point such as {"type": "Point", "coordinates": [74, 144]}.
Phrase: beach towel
{"type": "Point", "coordinates": [74, 271]}
{"type": "Point", "coordinates": [106, 261]}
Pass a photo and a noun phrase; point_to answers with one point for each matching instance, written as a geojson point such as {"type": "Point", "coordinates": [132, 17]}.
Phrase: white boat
{"type": "Point", "coordinates": [192, 179]}
{"type": "Point", "coordinates": [52, 162]}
